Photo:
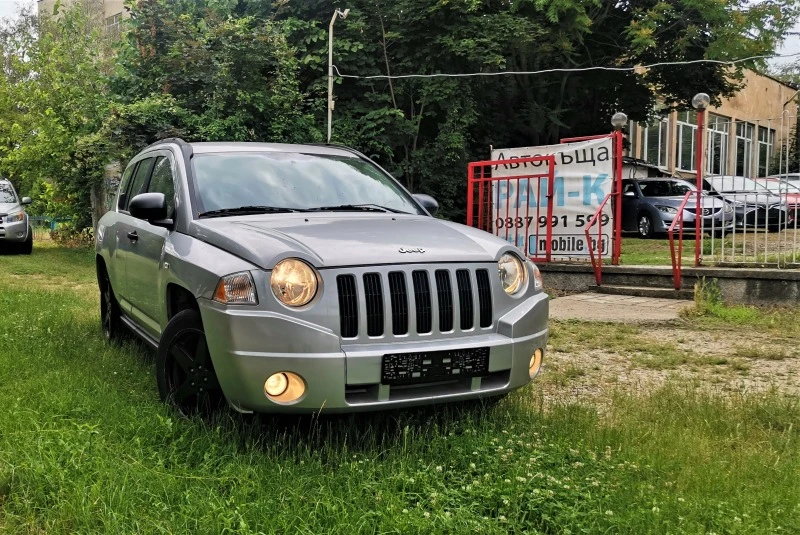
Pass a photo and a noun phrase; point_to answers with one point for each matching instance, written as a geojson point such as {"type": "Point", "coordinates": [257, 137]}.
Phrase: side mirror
{"type": "Point", "coordinates": [25, 200]}
{"type": "Point", "coordinates": [427, 202]}
{"type": "Point", "coordinates": [151, 207]}
{"type": "Point", "coordinates": [629, 194]}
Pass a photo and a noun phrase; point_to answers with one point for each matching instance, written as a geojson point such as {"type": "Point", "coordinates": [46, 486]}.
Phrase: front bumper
{"type": "Point", "coordinates": [719, 221]}
{"type": "Point", "coordinates": [247, 346]}
{"type": "Point", "coordinates": [14, 232]}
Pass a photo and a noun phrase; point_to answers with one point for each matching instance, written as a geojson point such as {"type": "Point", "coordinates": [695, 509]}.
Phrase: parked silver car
{"type": "Point", "coordinates": [303, 278]}
{"type": "Point", "coordinates": [650, 205]}
{"type": "Point", "coordinates": [16, 234]}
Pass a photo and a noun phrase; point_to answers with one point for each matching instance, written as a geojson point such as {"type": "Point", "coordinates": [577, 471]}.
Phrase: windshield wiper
{"type": "Point", "coordinates": [250, 210]}
{"type": "Point", "coordinates": [356, 208]}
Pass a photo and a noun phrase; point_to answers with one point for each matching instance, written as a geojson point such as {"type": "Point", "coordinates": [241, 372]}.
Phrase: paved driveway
{"type": "Point", "coordinates": [592, 306]}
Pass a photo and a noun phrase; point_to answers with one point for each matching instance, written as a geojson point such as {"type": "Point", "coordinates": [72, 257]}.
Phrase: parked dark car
{"type": "Point", "coordinates": [755, 206]}
{"type": "Point", "coordinates": [650, 205]}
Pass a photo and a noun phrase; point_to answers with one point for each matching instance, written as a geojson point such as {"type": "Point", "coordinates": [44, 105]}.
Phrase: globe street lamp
{"type": "Point", "coordinates": [618, 121]}
{"type": "Point", "coordinates": [700, 102]}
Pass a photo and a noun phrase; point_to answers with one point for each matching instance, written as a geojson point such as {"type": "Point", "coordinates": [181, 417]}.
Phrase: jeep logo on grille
{"type": "Point", "coordinates": [412, 250]}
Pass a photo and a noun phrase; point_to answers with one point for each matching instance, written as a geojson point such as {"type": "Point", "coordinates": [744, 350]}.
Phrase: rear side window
{"type": "Point", "coordinates": [122, 202]}
{"type": "Point", "coordinates": [162, 182]}
{"type": "Point", "coordinates": [140, 179]}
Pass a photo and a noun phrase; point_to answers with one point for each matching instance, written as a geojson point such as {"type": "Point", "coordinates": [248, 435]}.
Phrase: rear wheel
{"type": "Point", "coordinates": [184, 370]}
{"type": "Point", "coordinates": [644, 226]}
{"type": "Point", "coordinates": [110, 316]}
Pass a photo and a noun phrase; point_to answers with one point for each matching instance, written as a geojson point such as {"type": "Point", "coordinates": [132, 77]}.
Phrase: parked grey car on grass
{"type": "Point", "coordinates": [16, 234]}
{"type": "Point", "coordinates": [650, 205]}
{"type": "Point", "coordinates": [303, 278]}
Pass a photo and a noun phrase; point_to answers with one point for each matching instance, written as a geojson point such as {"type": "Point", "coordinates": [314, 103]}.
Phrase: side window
{"type": "Point", "coordinates": [140, 179]}
{"type": "Point", "coordinates": [162, 182]}
{"type": "Point", "coordinates": [122, 200]}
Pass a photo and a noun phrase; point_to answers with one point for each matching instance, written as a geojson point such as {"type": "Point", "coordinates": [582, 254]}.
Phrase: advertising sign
{"type": "Point", "coordinates": [584, 175]}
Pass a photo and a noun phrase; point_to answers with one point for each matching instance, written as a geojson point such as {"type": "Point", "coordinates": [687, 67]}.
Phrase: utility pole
{"type": "Point", "coordinates": [343, 15]}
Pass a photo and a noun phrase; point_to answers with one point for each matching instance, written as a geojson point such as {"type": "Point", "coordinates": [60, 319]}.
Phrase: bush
{"type": "Point", "coordinates": [71, 237]}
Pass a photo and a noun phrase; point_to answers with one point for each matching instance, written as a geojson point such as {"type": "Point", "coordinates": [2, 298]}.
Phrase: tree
{"type": "Point", "coordinates": [53, 97]}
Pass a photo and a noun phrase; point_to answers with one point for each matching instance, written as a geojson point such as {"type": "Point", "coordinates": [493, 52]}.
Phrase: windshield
{"type": "Point", "coordinates": [665, 188]}
{"type": "Point", "coordinates": [733, 184]}
{"type": "Point", "coordinates": [293, 180]}
{"type": "Point", "coordinates": [7, 193]}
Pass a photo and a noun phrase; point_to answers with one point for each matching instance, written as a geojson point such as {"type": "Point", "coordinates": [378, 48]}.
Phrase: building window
{"type": "Point", "coordinates": [654, 143]}
{"type": "Point", "coordinates": [744, 148]}
{"type": "Point", "coordinates": [718, 137]}
{"type": "Point", "coordinates": [687, 132]}
{"type": "Point", "coordinates": [766, 143]}
{"type": "Point", "coordinates": [112, 22]}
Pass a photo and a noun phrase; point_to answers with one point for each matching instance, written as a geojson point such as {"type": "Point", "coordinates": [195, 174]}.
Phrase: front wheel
{"type": "Point", "coordinates": [645, 226]}
{"type": "Point", "coordinates": [184, 371]}
{"type": "Point", "coordinates": [27, 246]}
{"type": "Point", "coordinates": [110, 316]}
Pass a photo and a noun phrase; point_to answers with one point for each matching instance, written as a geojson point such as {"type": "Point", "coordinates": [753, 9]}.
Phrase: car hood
{"type": "Point", "coordinates": [752, 198]}
{"type": "Point", "coordinates": [7, 207]}
{"type": "Point", "coordinates": [327, 240]}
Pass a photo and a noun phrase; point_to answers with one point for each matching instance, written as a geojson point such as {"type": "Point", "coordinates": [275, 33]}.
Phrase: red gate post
{"type": "Point", "coordinates": [618, 121]}
{"type": "Point", "coordinates": [700, 102]}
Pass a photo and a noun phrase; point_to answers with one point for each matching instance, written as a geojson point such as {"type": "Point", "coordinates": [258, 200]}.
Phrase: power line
{"type": "Point", "coordinates": [566, 70]}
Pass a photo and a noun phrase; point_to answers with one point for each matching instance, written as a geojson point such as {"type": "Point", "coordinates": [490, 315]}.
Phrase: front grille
{"type": "Point", "coordinates": [445, 300]}
{"type": "Point", "coordinates": [348, 305]}
{"type": "Point", "coordinates": [444, 291]}
{"type": "Point", "coordinates": [373, 294]}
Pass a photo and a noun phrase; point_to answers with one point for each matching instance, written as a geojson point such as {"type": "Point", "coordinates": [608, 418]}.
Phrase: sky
{"type": "Point", "coordinates": [8, 8]}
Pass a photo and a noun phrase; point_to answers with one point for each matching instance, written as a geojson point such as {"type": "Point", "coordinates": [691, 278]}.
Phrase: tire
{"type": "Point", "coordinates": [110, 315]}
{"type": "Point", "coordinates": [184, 371]}
{"type": "Point", "coordinates": [644, 226]}
{"type": "Point", "coordinates": [27, 246]}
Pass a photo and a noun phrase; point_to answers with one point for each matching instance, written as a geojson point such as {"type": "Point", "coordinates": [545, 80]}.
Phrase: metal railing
{"type": "Point", "coordinates": [596, 257]}
{"type": "Point", "coordinates": [676, 258]}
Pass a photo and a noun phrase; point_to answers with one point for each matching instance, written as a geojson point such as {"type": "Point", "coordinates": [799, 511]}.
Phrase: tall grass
{"type": "Point", "coordinates": [85, 447]}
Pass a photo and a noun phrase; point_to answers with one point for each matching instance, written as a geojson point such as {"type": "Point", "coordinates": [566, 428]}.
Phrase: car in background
{"type": "Point", "coordinates": [754, 205]}
{"type": "Point", "coordinates": [305, 278]}
{"type": "Point", "coordinates": [788, 177]}
{"type": "Point", "coordinates": [650, 205]}
{"type": "Point", "coordinates": [787, 190]}
{"type": "Point", "coordinates": [16, 234]}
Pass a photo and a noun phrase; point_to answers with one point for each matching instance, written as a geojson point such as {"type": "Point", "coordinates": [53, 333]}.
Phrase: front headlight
{"type": "Point", "coordinates": [512, 273]}
{"type": "Point", "coordinates": [294, 282]}
{"type": "Point", "coordinates": [667, 209]}
{"type": "Point", "coordinates": [728, 209]}
{"type": "Point", "coordinates": [236, 289]}
{"type": "Point", "coordinates": [538, 282]}
{"type": "Point", "coordinates": [14, 218]}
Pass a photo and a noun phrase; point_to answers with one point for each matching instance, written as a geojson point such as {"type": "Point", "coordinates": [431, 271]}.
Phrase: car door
{"type": "Point", "coordinates": [630, 204]}
{"type": "Point", "coordinates": [126, 238]}
{"type": "Point", "coordinates": [116, 267]}
{"type": "Point", "coordinates": [144, 267]}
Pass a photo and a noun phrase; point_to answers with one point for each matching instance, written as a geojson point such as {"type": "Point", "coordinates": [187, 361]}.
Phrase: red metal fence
{"type": "Point", "coordinates": [494, 204]}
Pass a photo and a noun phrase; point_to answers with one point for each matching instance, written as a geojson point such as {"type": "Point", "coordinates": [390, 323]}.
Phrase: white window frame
{"type": "Point", "coordinates": [663, 140]}
{"type": "Point", "coordinates": [685, 122]}
{"type": "Point", "coordinates": [769, 143]}
{"type": "Point", "coordinates": [718, 126]}
{"type": "Point", "coordinates": [747, 141]}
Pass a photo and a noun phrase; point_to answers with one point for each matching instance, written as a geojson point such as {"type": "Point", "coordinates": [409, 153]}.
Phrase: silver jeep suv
{"type": "Point", "coordinates": [16, 234]}
{"type": "Point", "coordinates": [303, 278]}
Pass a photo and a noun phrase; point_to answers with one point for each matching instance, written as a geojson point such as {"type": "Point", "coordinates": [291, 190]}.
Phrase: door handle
{"type": "Point", "coordinates": [133, 236]}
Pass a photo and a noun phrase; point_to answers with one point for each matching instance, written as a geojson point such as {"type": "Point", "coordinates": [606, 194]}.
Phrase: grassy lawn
{"type": "Point", "coordinates": [85, 445]}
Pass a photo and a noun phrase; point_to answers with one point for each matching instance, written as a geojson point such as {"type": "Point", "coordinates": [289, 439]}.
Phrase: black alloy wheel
{"type": "Point", "coordinates": [184, 370]}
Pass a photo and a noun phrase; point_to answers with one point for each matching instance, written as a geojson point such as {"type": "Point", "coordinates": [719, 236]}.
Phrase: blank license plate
{"type": "Point", "coordinates": [410, 368]}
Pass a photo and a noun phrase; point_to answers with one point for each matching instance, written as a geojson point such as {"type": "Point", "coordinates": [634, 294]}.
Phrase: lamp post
{"type": "Point", "coordinates": [343, 15]}
{"type": "Point", "coordinates": [699, 102]}
{"type": "Point", "coordinates": [618, 121]}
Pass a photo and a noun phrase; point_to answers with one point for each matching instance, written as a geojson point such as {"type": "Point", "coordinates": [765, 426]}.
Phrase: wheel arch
{"type": "Point", "coordinates": [179, 299]}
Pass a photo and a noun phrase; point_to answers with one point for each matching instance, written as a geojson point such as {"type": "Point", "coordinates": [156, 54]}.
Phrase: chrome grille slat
{"type": "Point", "coordinates": [399, 301]}
{"type": "Point", "coordinates": [348, 305]}
{"type": "Point", "coordinates": [422, 301]}
{"type": "Point", "coordinates": [484, 297]}
{"type": "Point", "coordinates": [466, 311]}
{"type": "Point", "coordinates": [373, 293]}
{"type": "Point", "coordinates": [444, 292]}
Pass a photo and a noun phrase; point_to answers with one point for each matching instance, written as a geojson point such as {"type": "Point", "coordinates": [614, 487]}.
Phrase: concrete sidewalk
{"type": "Point", "coordinates": [592, 306]}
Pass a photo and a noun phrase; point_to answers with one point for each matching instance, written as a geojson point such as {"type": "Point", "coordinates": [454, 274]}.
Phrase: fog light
{"type": "Point", "coordinates": [284, 387]}
{"type": "Point", "coordinates": [536, 363]}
